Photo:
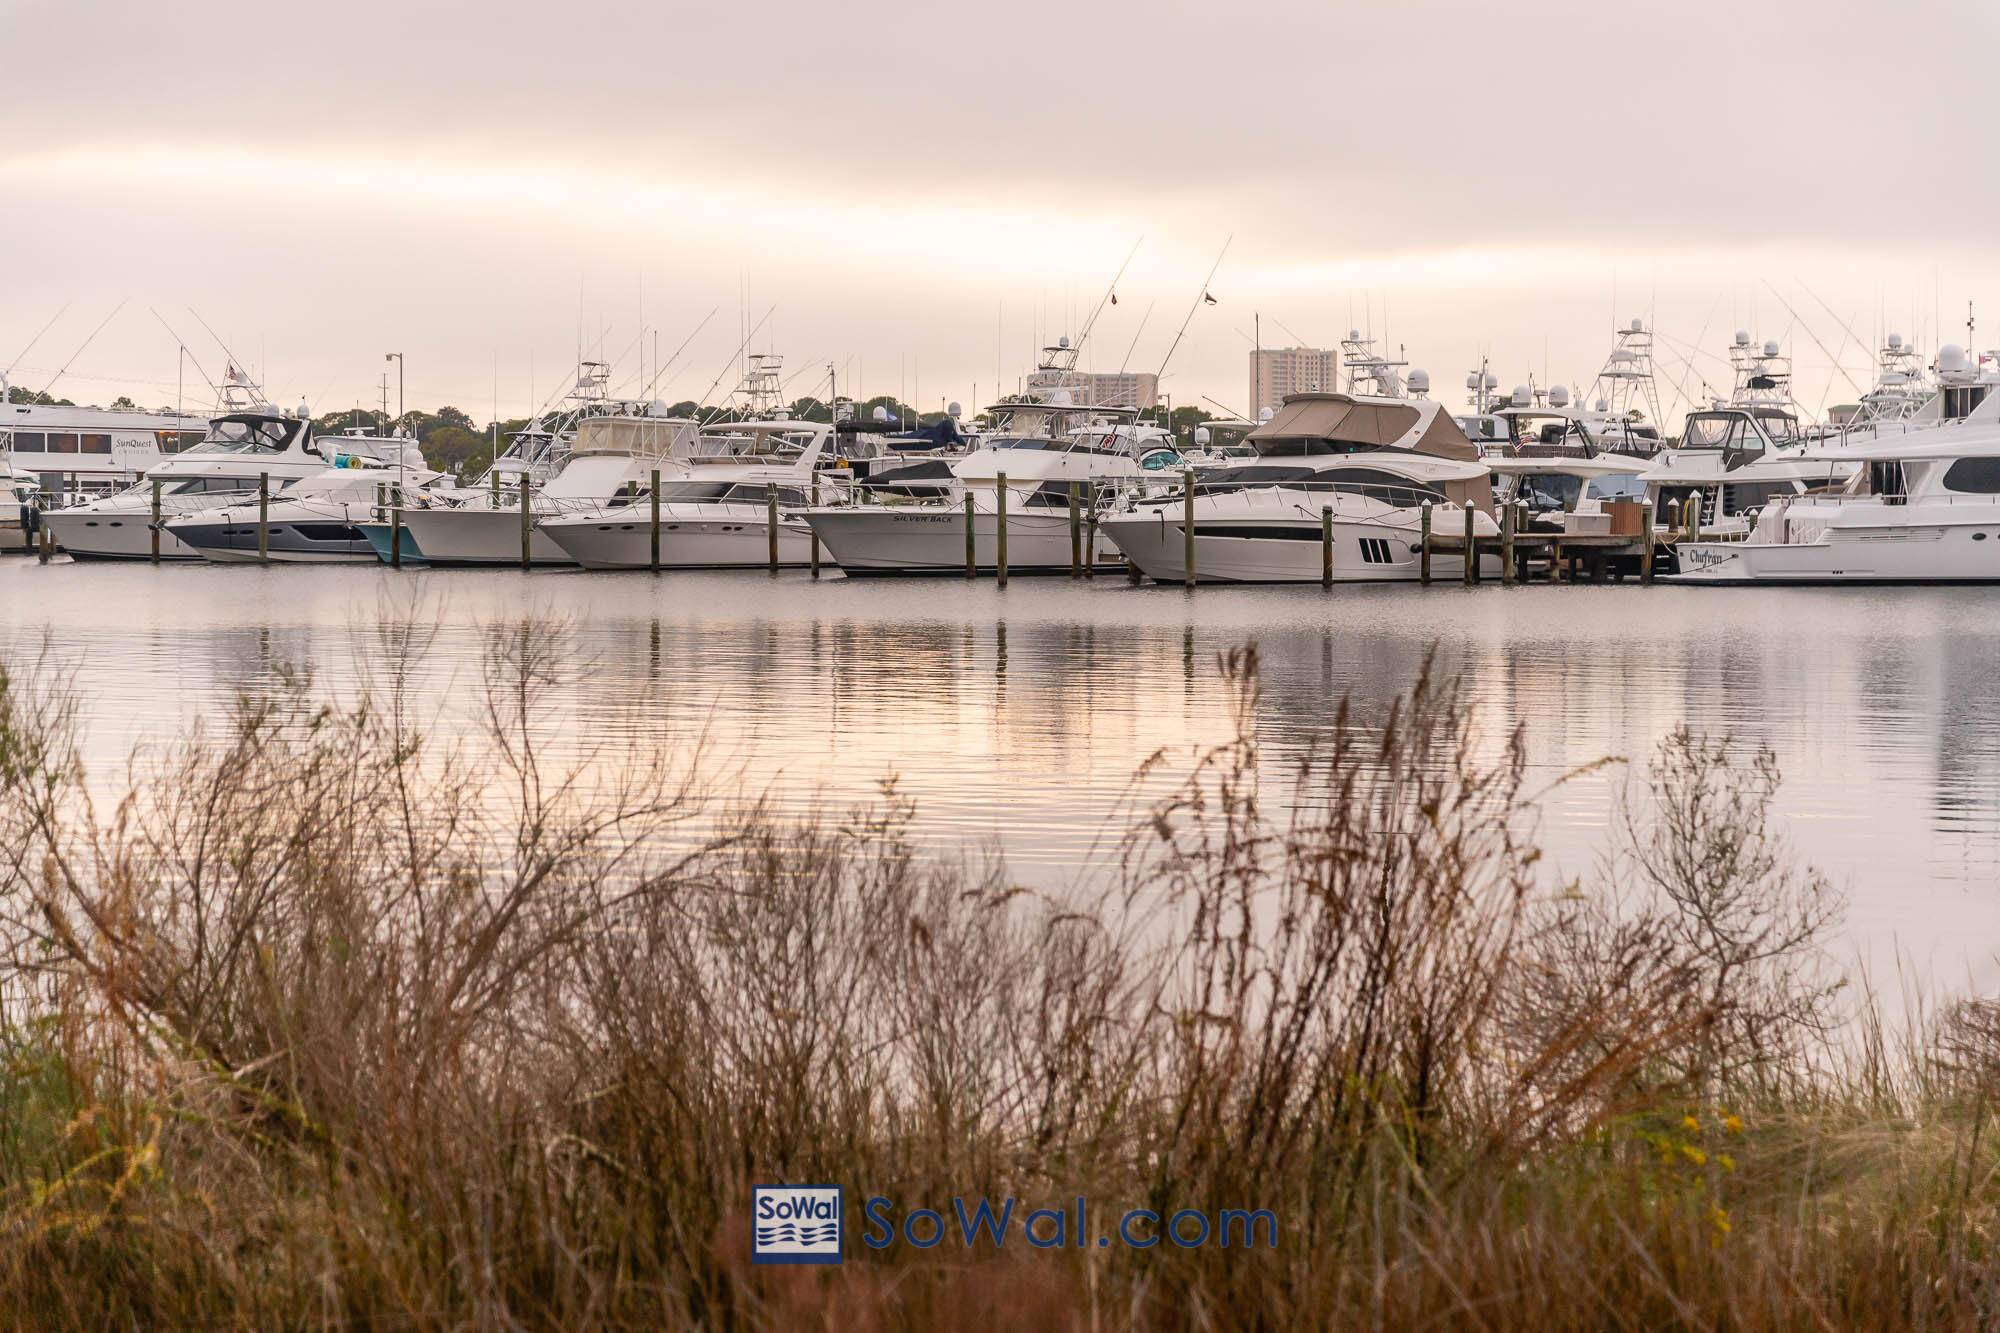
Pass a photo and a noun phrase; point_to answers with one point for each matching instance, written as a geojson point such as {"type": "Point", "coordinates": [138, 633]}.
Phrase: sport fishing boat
{"type": "Point", "coordinates": [1737, 456]}
{"type": "Point", "coordinates": [1027, 462]}
{"type": "Point", "coordinates": [1922, 503]}
{"type": "Point", "coordinates": [315, 520]}
{"type": "Point", "coordinates": [1372, 466]}
{"type": "Point", "coordinates": [243, 449]}
{"type": "Point", "coordinates": [715, 510]}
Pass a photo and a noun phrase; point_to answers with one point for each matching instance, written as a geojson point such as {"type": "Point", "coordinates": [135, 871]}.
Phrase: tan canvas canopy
{"type": "Point", "coordinates": [649, 437]}
{"type": "Point", "coordinates": [1338, 416]}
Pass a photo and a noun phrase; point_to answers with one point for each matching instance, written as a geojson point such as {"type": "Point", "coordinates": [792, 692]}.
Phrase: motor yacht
{"type": "Point", "coordinates": [241, 450]}
{"type": "Point", "coordinates": [316, 519]}
{"type": "Point", "coordinates": [902, 523]}
{"type": "Point", "coordinates": [1920, 504]}
{"type": "Point", "coordinates": [19, 505]}
{"type": "Point", "coordinates": [1373, 464]}
{"type": "Point", "coordinates": [715, 509]}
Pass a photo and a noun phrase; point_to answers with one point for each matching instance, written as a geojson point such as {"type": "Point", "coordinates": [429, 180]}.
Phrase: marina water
{"type": "Point", "coordinates": [1015, 718]}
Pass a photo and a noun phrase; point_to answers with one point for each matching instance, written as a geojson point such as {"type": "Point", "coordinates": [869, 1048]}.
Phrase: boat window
{"type": "Point", "coordinates": [173, 441]}
{"type": "Point", "coordinates": [694, 490]}
{"type": "Point", "coordinates": [28, 441]}
{"type": "Point", "coordinates": [97, 444]}
{"type": "Point", "coordinates": [213, 486]}
{"type": "Point", "coordinates": [1017, 442]}
{"type": "Point", "coordinates": [1710, 430]}
{"type": "Point", "coordinates": [248, 435]}
{"type": "Point", "coordinates": [62, 444]}
{"type": "Point", "coordinates": [1973, 476]}
{"type": "Point", "coordinates": [1301, 446]}
{"type": "Point", "coordinates": [1551, 490]}
{"type": "Point", "coordinates": [1780, 426]}
{"type": "Point", "coordinates": [1376, 483]}
{"type": "Point", "coordinates": [1738, 497]}
{"type": "Point", "coordinates": [1960, 399]}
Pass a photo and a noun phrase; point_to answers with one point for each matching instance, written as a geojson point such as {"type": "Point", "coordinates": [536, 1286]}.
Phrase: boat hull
{"type": "Point", "coordinates": [1954, 553]}
{"type": "Point", "coordinates": [1154, 541]}
{"type": "Point", "coordinates": [685, 543]}
{"type": "Point", "coordinates": [924, 539]}
{"type": "Point", "coordinates": [113, 535]}
{"type": "Point", "coordinates": [474, 537]}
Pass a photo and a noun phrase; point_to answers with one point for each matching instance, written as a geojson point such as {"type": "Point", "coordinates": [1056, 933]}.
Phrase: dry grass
{"type": "Point", "coordinates": [343, 1018]}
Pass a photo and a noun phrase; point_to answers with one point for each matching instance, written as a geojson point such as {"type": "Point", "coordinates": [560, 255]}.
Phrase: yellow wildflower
{"type": "Point", "coordinates": [1694, 1154]}
{"type": "Point", "coordinates": [1733, 1124]}
{"type": "Point", "coordinates": [1719, 1220]}
{"type": "Point", "coordinates": [1727, 1162]}
{"type": "Point", "coordinates": [1690, 1123]}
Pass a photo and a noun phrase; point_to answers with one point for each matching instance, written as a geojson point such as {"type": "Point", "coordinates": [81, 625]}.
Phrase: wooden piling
{"type": "Point", "coordinates": [814, 531]}
{"type": "Point", "coordinates": [771, 523]}
{"type": "Point", "coordinates": [1424, 559]}
{"type": "Point", "coordinates": [1471, 549]}
{"type": "Point", "coordinates": [971, 542]}
{"type": "Point", "coordinates": [1646, 550]}
{"type": "Point", "coordinates": [654, 560]}
{"type": "Point", "coordinates": [1075, 536]}
{"type": "Point", "coordinates": [1090, 529]}
{"type": "Point", "coordinates": [1507, 544]}
{"type": "Point", "coordinates": [1326, 546]}
{"type": "Point", "coordinates": [263, 518]}
{"type": "Point", "coordinates": [396, 528]}
{"type": "Point", "coordinates": [527, 518]}
{"type": "Point", "coordinates": [1187, 527]}
{"type": "Point", "coordinates": [1000, 527]}
{"type": "Point", "coordinates": [157, 483]}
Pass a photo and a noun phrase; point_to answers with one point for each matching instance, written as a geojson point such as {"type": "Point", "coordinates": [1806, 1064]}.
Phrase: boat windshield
{"type": "Point", "coordinates": [1375, 483]}
{"type": "Point", "coordinates": [1782, 427]}
{"type": "Point", "coordinates": [1551, 490]}
{"type": "Point", "coordinates": [248, 435]}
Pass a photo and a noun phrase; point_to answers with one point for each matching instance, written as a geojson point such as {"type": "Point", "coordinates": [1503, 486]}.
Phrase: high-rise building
{"type": "Point", "coordinates": [1277, 371]}
{"type": "Point", "coordinates": [1140, 389]}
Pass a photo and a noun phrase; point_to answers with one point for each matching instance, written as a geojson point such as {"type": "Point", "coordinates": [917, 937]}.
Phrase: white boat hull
{"type": "Point", "coordinates": [1959, 552]}
{"type": "Point", "coordinates": [927, 539]}
{"type": "Point", "coordinates": [685, 543]}
{"type": "Point", "coordinates": [476, 537]}
{"type": "Point", "coordinates": [1154, 541]}
{"type": "Point", "coordinates": [113, 535]}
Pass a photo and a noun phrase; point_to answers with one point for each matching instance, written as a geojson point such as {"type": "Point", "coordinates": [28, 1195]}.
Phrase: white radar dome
{"type": "Point", "coordinates": [1638, 326]}
{"type": "Point", "coordinates": [1951, 359]}
{"type": "Point", "coordinates": [880, 414]}
{"type": "Point", "coordinates": [1201, 435]}
{"type": "Point", "coordinates": [1492, 380]}
{"type": "Point", "coordinates": [1742, 338]}
{"type": "Point", "coordinates": [1354, 335]}
{"type": "Point", "coordinates": [954, 411]}
{"type": "Point", "coordinates": [1558, 396]}
{"type": "Point", "coordinates": [1771, 348]}
{"type": "Point", "coordinates": [1264, 414]}
{"type": "Point", "coordinates": [1522, 395]}
{"type": "Point", "coordinates": [1895, 342]}
{"type": "Point", "coordinates": [1420, 381]}
{"type": "Point", "coordinates": [1472, 380]}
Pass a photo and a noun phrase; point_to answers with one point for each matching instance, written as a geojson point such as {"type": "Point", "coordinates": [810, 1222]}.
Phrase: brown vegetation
{"type": "Point", "coordinates": [334, 1020]}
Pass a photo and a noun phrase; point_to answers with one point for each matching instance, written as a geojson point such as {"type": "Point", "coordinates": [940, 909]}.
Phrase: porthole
{"type": "Point", "coordinates": [1979, 536]}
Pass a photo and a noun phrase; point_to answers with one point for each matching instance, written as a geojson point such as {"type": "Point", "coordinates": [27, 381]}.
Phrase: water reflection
{"type": "Point", "coordinates": [1019, 715]}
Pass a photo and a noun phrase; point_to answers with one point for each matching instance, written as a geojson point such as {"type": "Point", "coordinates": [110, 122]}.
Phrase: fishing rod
{"type": "Point", "coordinates": [1203, 296]}
{"type": "Point", "coordinates": [80, 351]}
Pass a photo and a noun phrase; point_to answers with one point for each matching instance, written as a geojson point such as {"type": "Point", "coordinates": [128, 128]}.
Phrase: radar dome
{"type": "Point", "coordinates": [881, 414]}
{"type": "Point", "coordinates": [1472, 380]}
{"type": "Point", "coordinates": [1638, 326]}
{"type": "Point", "coordinates": [1895, 342]}
{"type": "Point", "coordinates": [1420, 382]}
{"type": "Point", "coordinates": [1264, 414]}
{"type": "Point", "coordinates": [1951, 359]}
{"type": "Point", "coordinates": [1742, 338]}
{"type": "Point", "coordinates": [1523, 395]}
{"type": "Point", "coordinates": [954, 411]}
{"type": "Point", "coordinates": [1063, 341]}
{"type": "Point", "coordinates": [302, 412]}
{"type": "Point", "coordinates": [1492, 380]}
{"type": "Point", "coordinates": [1603, 405]}
{"type": "Point", "coordinates": [1558, 396]}
{"type": "Point", "coordinates": [1771, 348]}
{"type": "Point", "coordinates": [1354, 335]}
{"type": "Point", "coordinates": [1201, 435]}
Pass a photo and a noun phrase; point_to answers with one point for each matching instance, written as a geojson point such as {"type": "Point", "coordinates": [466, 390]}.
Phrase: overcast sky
{"type": "Point", "coordinates": [924, 191]}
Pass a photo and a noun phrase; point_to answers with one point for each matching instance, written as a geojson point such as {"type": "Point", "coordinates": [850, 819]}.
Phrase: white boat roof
{"type": "Point", "coordinates": [1600, 465]}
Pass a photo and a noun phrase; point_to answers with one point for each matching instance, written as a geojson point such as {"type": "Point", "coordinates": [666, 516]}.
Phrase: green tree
{"type": "Point", "coordinates": [123, 404]}
{"type": "Point", "coordinates": [456, 449]}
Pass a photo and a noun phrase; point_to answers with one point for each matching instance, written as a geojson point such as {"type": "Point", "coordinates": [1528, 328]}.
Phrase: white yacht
{"type": "Point", "coordinates": [1922, 503]}
{"type": "Point", "coordinates": [240, 449]}
{"type": "Point", "coordinates": [1374, 462]}
{"type": "Point", "coordinates": [1904, 390]}
{"type": "Point", "coordinates": [715, 509]}
{"type": "Point", "coordinates": [898, 524]}
{"type": "Point", "coordinates": [315, 520]}
{"type": "Point", "coordinates": [91, 450]}
{"type": "Point", "coordinates": [1737, 456]}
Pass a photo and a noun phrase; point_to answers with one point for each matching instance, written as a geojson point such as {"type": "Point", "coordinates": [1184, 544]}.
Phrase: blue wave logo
{"type": "Point", "coordinates": [796, 1224]}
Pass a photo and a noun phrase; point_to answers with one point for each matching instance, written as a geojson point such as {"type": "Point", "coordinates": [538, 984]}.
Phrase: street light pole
{"type": "Point", "coordinates": [397, 357]}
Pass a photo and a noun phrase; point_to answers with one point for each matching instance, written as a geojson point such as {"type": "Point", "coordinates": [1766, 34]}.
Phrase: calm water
{"type": "Point", "coordinates": [1017, 716]}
